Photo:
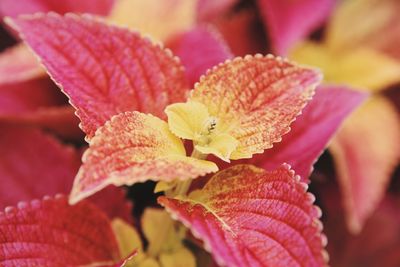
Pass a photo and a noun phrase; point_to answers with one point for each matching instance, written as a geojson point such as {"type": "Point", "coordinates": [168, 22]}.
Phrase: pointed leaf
{"type": "Point", "coordinates": [134, 147]}
{"type": "Point", "coordinates": [199, 50]}
{"type": "Point", "coordinates": [366, 152]}
{"type": "Point", "coordinates": [259, 97]}
{"type": "Point", "coordinates": [128, 239]}
{"type": "Point", "coordinates": [52, 233]}
{"type": "Point", "coordinates": [13, 9]}
{"type": "Point", "coordinates": [312, 130]}
{"type": "Point", "coordinates": [249, 217]}
{"type": "Point", "coordinates": [34, 164]}
{"type": "Point", "coordinates": [289, 21]}
{"type": "Point", "coordinates": [104, 70]}
{"type": "Point", "coordinates": [158, 19]}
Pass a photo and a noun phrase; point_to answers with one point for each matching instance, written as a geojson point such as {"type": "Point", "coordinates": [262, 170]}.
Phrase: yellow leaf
{"type": "Point", "coordinates": [362, 68]}
{"type": "Point", "coordinates": [358, 22]}
{"type": "Point", "coordinates": [158, 226]}
{"type": "Point", "coordinates": [128, 241]}
{"type": "Point", "coordinates": [164, 186]}
{"type": "Point", "coordinates": [159, 19]}
{"type": "Point", "coordinates": [149, 262]}
{"type": "Point", "coordinates": [187, 120]}
{"type": "Point", "coordinates": [192, 121]}
{"type": "Point", "coordinates": [180, 258]}
{"type": "Point", "coordinates": [221, 145]}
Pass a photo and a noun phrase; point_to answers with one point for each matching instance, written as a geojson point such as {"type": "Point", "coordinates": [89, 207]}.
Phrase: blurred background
{"type": "Point", "coordinates": [356, 44]}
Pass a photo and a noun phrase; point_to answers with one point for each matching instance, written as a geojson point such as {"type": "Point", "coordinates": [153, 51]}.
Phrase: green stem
{"type": "Point", "coordinates": [183, 187]}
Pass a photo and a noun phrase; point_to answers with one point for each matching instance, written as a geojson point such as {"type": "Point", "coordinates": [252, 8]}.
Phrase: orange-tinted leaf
{"type": "Point", "coordinates": [104, 70]}
{"type": "Point", "coordinates": [134, 147]}
{"type": "Point", "coordinates": [199, 50]}
{"type": "Point", "coordinates": [249, 217]}
{"type": "Point", "coordinates": [14, 8]}
{"type": "Point", "coordinates": [52, 233]}
{"type": "Point", "coordinates": [289, 21]}
{"type": "Point", "coordinates": [258, 97]}
{"type": "Point", "coordinates": [312, 130]}
{"type": "Point", "coordinates": [366, 152]}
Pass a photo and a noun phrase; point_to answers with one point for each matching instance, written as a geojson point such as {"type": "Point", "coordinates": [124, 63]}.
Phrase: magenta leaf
{"type": "Point", "coordinates": [199, 50]}
{"type": "Point", "coordinates": [312, 131]}
{"type": "Point", "coordinates": [105, 70]}
{"type": "Point", "coordinates": [34, 164]}
{"type": "Point", "coordinates": [289, 21]}
{"type": "Point", "coordinates": [49, 232]}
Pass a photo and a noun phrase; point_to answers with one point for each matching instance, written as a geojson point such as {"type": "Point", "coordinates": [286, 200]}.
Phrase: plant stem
{"type": "Point", "coordinates": [183, 187]}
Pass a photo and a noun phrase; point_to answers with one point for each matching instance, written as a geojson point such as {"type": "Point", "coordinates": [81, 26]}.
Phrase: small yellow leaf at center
{"type": "Point", "coordinates": [192, 121]}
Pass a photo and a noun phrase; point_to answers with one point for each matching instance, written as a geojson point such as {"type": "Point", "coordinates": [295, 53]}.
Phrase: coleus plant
{"type": "Point", "coordinates": [245, 216]}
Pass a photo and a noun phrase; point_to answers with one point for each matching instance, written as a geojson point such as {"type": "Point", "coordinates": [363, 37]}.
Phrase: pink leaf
{"type": "Point", "coordinates": [34, 164]}
{"type": "Point", "coordinates": [27, 96]}
{"type": "Point", "coordinates": [289, 21]}
{"type": "Point", "coordinates": [18, 64]}
{"type": "Point", "coordinates": [113, 201]}
{"type": "Point", "coordinates": [366, 152]}
{"type": "Point", "coordinates": [14, 8]}
{"type": "Point", "coordinates": [199, 50]}
{"type": "Point", "coordinates": [60, 120]}
{"type": "Point", "coordinates": [105, 70]}
{"type": "Point", "coordinates": [249, 217]}
{"type": "Point", "coordinates": [52, 233]}
{"type": "Point", "coordinates": [21, 98]}
{"type": "Point", "coordinates": [376, 245]}
{"type": "Point", "coordinates": [312, 131]}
